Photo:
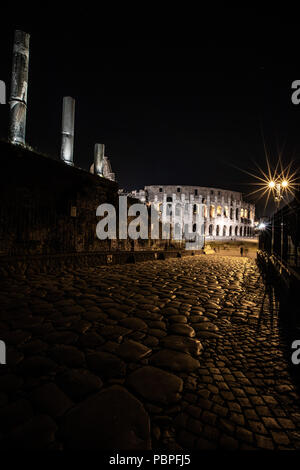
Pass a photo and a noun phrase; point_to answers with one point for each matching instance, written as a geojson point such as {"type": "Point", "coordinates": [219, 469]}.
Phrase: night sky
{"type": "Point", "coordinates": [170, 111]}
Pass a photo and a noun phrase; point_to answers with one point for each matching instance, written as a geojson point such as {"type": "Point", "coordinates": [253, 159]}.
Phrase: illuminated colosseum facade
{"type": "Point", "coordinates": [225, 213]}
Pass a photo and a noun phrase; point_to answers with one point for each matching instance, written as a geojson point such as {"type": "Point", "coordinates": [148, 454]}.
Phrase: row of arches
{"type": "Point", "coordinates": [212, 211]}
{"type": "Point", "coordinates": [229, 231]}
{"type": "Point", "coordinates": [218, 231]}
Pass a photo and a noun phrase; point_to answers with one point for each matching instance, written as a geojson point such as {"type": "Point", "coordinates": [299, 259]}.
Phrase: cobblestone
{"type": "Point", "coordinates": [187, 347]}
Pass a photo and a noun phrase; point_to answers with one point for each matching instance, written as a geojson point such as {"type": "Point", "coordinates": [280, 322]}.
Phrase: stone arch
{"type": "Point", "coordinates": [210, 229]}
{"type": "Point", "coordinates": [212, 211]}
{"type": "Point", "coordinates": [224, 231]}
{"type": "Point", "coordinates": [178, 209]}
{"type": "Point", "coordinates": [219, 210]}
{"type": "Point", "coordinates": [236, 231]}
{"type": "Point", "coordinates": [245, 231]}
{"type": "Point", "coordinates": [169, 209]}
{"type": "Point", "coordinates": [178, 231]}
{"type": "Point", "coordinates": [230, 230]}
{"type": "Point", "coordinates": [241, 231]}
{"type": "Point", "coordinates": [217, 230]}
{"type": "Point", "coordinates": [237, 213]}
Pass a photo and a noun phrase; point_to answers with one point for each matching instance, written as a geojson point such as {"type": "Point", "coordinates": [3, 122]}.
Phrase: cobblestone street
{"type": "Point", "coordinates": [185, 353]}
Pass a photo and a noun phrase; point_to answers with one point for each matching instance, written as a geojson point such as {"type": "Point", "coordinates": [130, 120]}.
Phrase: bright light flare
{"type": "Point", "coordinates": [276, 182]}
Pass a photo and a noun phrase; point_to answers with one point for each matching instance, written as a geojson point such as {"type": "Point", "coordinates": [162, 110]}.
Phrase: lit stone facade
{"type": "Point", "coordinates": [224, 213]}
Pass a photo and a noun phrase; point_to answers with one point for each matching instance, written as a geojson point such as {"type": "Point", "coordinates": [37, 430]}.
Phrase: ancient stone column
{"type": "Point", "coordinates": [99, 159]}
{"type": "Point", "coordinates": [18, 91]}
{"type": "Point", "coordinates": [68, 119]}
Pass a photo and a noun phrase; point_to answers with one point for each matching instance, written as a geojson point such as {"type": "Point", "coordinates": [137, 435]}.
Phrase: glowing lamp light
{"type": "Point", "coordinates": [284, 183]}
{"type": "Point", "coordinates": [262, 226]}
{"type": "Point", "coordinates": [272, 184]}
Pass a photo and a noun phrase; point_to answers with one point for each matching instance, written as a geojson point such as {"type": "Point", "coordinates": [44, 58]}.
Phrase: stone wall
{"type": "Point", "coordinates": [49, 208]}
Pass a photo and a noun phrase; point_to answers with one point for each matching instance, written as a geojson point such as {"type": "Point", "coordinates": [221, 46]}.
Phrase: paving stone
{"type": "Point", "coordinates": [211, 432]}
{"type": "Point", "coordinates": [37, 366]}
{"type": "Point", "coordinates": [182, 343]}
{"type": "Point", "coordinates": [280, 438]}
{"type": "Point", "coordinates": [257, 427]}
{"type": "Point", "coordinates": [111, 419]}
{"type": "Point", "coordinates": [174, 360]}
{"type": "Point", "coordinates": [194, 426]}
{"type": "Point", "coordinates": [157, 332]}
{"type": "Point", "coordinates": [271, 423]}
{"type": "Point", "coordinates": [3, 399]}
{"type": "Point", "coordinates": [220, 410]}
{"type": "Point", "coordinates": [205, 326]}
{"type": "Point", "coordinates": [15, 413]}
{"type": "Point", "coordinates": [36, 346]}
{"type": "Point", "coordinates": [91, 339]}
{"type": "Point", "coordinates": [36, 434]}
{"type": "Point", "coordinates": [177, 319]}
{"type": "Point", "coordinates": [229, 443]}
{"type": "Point", "coordinates": [62, 337]}
{"type": "Point", "coordinates": [114, 331]}
{"type": "Point", "coordinates": [264, 442]}
{"type": "Point", "coordinates": [156, 385]}
{"type": "Point", "coordinates": [204, 444]}
{"type": "Point", "coordinates": [151, 341]}
{"type": "Point", "coordinates": [237, 418]}
{"type": "Point", "coordinates": [186, 439]}
{"type": "Point", "coordinates": [182, 329]}
{"type": "Point", "coordinates": [49, 399]}
{"type": "Point", "coordinates": [67, 355]}
{"type": "Point", "coordinates": [133, 351]}
{"type": "Point", "coordinates": [10, 382]}
{"type": "Point", "coordinates": [208, 417]}
{"type": "Point", "coordinates": [106, 364]}
{"type": "Point", "coordinates": [244, 434]}
{"type": "Point", "coordinates": [134, 323]}
{"type": "Point", "coordinates": [286, 423]}
{"type": "Point", "coordinates": [79, 383]}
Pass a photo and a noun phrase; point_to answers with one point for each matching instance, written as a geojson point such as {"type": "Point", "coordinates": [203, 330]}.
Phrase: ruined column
{"type": "Point", "coordinates": [68, 118]}
{"type": "Point", "coordinates": [99, 159]}
{"type": "Point", "coordinates": [19, 85]}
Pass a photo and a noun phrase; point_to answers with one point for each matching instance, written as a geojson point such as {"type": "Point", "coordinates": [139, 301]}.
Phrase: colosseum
{"type": "Point", "coordinates": [225, 213]}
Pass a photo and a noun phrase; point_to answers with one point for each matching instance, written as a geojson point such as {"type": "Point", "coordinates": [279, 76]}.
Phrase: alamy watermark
{"type": "Point", "coordinates": [2, 92]}
{"type": "Point", "coordinates": [2, 352]}
{"type": "Point", "coordinates": [296, 353]}
{"type": "Point", "coordinates": [166, 221]}
{"type": "Point", "coordinates": [296, 94]}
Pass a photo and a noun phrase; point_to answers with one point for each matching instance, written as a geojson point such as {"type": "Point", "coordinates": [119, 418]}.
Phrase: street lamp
{"type": "Point", "coordinates": [278, 188]}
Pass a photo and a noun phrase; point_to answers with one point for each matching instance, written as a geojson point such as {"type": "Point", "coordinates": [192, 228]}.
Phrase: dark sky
{"type": "Point", "coordinates": [177, 110]}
